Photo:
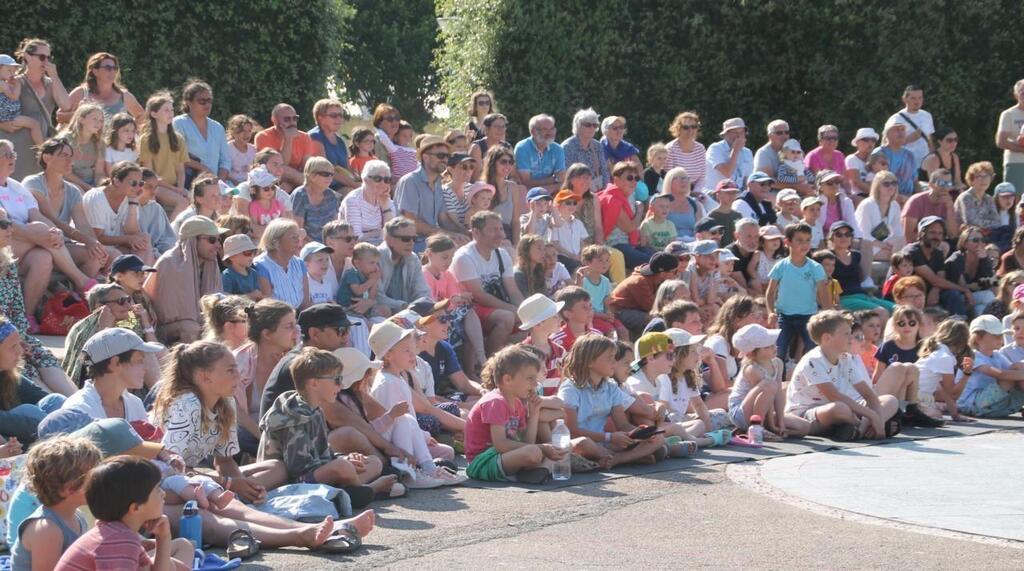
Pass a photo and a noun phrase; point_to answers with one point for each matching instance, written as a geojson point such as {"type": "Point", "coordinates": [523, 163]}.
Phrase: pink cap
{"type": "Point", "coordinates": [1018, 292]}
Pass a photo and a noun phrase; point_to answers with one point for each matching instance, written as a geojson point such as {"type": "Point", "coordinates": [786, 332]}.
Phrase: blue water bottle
{"type": "Point", "coordinates": [191, 526]}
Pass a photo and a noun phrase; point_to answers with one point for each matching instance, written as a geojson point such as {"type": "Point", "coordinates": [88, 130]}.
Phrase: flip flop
{"type": "Point", "coordinates": [342, 540]}
{"type": "Point", "coordinates": [580, 464]}
{"type": "Point", "coordinates": [242, 544]}
{"type": "Point", "coordinates": [742, 440]}
{"type": "Point", "coordinates": [211, 562]}
{"type": "Point", "coordinates": [770, 436]}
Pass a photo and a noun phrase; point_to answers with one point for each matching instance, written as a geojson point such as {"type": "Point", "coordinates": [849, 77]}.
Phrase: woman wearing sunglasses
{"type": "Point", "coordinates": [113, 211]}
{"type": "Point", "coordinates": [41, 93]}
{"type": "Point", "coordinates": [369, 207]}
{"type": "Point", "coordinates": [314, 203]}
{"type": "Point", "coordinates": [971, 267]}
{"type": "Point", "coordinates": [878, 217]}
{"type": "Point", "coordinates": [102, 85]}
{"type": "Point", "coordinates": [849, 272]}
{"type": "Point", "coordinates": [110, 304]}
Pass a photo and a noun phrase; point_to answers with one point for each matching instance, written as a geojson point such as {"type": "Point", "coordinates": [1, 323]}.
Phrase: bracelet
{"type": "Point", "coordinates": [130, 203]}
{"type": "Point", "coordinates": [607, 437]}
{"type": "Point", "coordinates": [149, 329]}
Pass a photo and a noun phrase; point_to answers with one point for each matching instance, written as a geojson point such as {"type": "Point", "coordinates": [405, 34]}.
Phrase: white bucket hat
{"type": "Point", "coordinates": [384, 336]}
{"type": "Point", "coordinates": [537, 308]}
{"type": "Point", "coordinates": [754, 336]}
{"type": "Point", "coordinates": [356, 363]}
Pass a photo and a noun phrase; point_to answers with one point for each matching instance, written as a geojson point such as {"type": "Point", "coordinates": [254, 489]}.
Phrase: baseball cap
{"type": "Point", "coordinates": [407, 319]}
{"type": "Point", "coordinates": [200, 226]}
{"type": "Point", "coordinates": [839, 225]}
{"type": "Point", "coordinates": [708, 225]}
{"type": "Point", "coordinates": [754, 336]}
{"type": "Point", "coordinates": [321, 316]}
{"type": "Point", "coordinates": [565, 194]}
{"type": "Point", "coordinates": [704, 247]}
{"type": "Point", "coordinates": [827, 174]}
{"type": "Point", "coordinates": [770, 232]}
{"type": "Point", "coordinates": [537, 193]}
{"type": "Point", "coordinates": [115, 436]}
{"type": "Point", "coordinates": [725, 255]}
{"type": "Point", "coordinates": [651, 344]}
{"type": "Point", "coordinates": [661, 195]}
{"type": "Point", "coordinates": [730, 124]}
{"type": "Point", "coordinates": [62, 421]}
{"type": "Point", "coordinates": [129, 263]}
{"type": "Point", "coordinates": [237, 244]}
{"type": "Point", "coordinates": [426, 308]}
{"type": "Point", "coordinates": [660, 262]}
{"type": "Point", "coordinates": [427, 142]}
{"type": "Point", "coordinates": [726, 184]}
{"type": "Point", "coordinates": [385, 335]}
{"type": "Point", "coordinates": [988, 324]}
{"type": "Point", "coordinates": [678, 248]}
{"type": "Point", "coordinates": [864, 133]}
{"type": "Point", "coordinates": [1006, 188]}
{"type": "Point", "coordinates": [356, 363]}
{"type": "Point", "coordinates": [792, 145]}
{"type": "Point", "coordinates": [457, 158]}
{"type": "Point", "coordinates": [7, 60]}
{"type": "Point", "coordinates": [260, 176]}
{"type": "Point", "coordinates": [758, 176]}
{"type": "Point", "coordinates": [313, 247]}
{"type": "Point", "coordinates": [682, 338]}
{"type": "Point", "coordinates": [928, 221]}
{"type": "Point", "coordinates": [787, 194]}
{"type": "Point", "coordinates": [811, 201]}
{"type": "Point", "coordinates": [478, 187]}
{"type": "Point", "coordinates": [116, 341]}
{"type": "Point", "coordinates": [536, 309]}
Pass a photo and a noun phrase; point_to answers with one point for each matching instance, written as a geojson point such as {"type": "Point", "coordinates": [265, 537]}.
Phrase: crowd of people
{"type": "Point", "coordinates": [268, 306]}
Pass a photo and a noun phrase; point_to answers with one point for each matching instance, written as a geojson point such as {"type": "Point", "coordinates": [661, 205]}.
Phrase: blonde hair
{"type": "Point", "coordinates": [826, 322]}
{"type": "Point", "coordinates": [585, 350]}
{"type": "Point", "coordinates": [671, 176]}
{"type": "Point", "coordinates": [74, 128]}
{"type": "Point", "coordinates": [977, 168]}
{"type": "Point", "coordinates": [180, 367]}
{"type": "Point", "coordinates": [274, 231]}
{"type": "Point", "coordinates": [59, 462]}
{"type": "Point", "coordinates": [952, 333]}
{"type": "Point", "coordinates": [678, 371]}
{"type": "Point", "coordinates": [654, 149]}
{"type": "Point", "coordinates": [323, 105]}
{"type": "Point", "coordinates": [666, 291]}
{"type": "Point", "coordinates": [507, 361]}
{"type": "Point", "coordinates": [316, 164]}
{"type": "Point", "coordinates": [364, 250]}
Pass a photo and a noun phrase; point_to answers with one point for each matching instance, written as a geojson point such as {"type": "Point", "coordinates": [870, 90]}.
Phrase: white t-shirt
{"type": "Point", "coordinates": [468, 264]}
{"type": "Point", "coordinates": [678, 400]}
{"type": "Point", "coordinates": [390, 389]}
{"type": "Point", "coordinates": [813, 370]}
{"type": "Point", "coordinates": [932, 368]}
{"type": "Point", "coordinates": [423, 377]}
{"type": "Point", "coordinates": [558, 275]}
{"type": "Point", "coordinates": [637, 384]}
{"type": "Point", "coordinates": [719, 346]}
{"type": "Point", "coordinates": [1010, 121]}
{"type": "Point", "coordinates": [115, 156]}
{"type": "Point", "coordinates": [325, 291]}
{"type": "Point", "coordinates": [923, 120]}
{"type": "Point", "coordinates": [17, 201]}
{"type": "Point", "coordinates": [569, 236]}
{"type": "Point", "coordinates": [88, 401]}
{"type": "Point", "coordinates": [101, 216]}
{"type": "Point", "coordinates": [853, 162]}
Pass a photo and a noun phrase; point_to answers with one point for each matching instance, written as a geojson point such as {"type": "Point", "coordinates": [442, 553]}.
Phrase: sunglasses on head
{"type": "Point", "coordinates": [5, 224]}
{"type": "Point", "coordinates": [378, 178]}
{"type": "Point", "coordinates": [123, 300]}
{"type": "Point", "coordinates": [910, 323]}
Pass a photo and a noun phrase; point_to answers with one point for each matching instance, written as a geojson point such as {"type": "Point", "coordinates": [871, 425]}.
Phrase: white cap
{"type": "Point", "coordinates": [787, 194]}
{"type": "Point", "coordinates": [864, 133]}
{"type": "Point", "coordinates": [754, 336]}
{"type": "Point", "coordinates": [682, 338]}
{"type": "Point", "coordinates": [537, 308]}
{"type": "Point", "coordinates": [989, 324]}
{"type": "Point", "coordinates": [7, 60]}
{"type": "Point", "coordinates": [724, 255]}
{"type": "Point", "coordinates": [384, 336]}
{"type": "Point", "coordinates": [811, 201]}
{"type": "Point", "coordinates": [792, 145]}
{"type": "Point", "coordinates": [355, 363]}
{"type": "Point", "coordinates": [116, 341]}
{"type": "Point", "coordinates": [261, 177]}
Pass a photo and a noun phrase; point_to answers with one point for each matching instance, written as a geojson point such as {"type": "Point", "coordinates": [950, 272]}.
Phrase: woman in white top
{"type": "Point", "coordinates": [883, 231]}
{"type": "Point", "coordinates": [369, 207]}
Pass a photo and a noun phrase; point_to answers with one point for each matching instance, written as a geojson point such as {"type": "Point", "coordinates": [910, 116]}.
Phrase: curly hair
{"type": "Point", "coordinates": [57, 463]}
{"type": "Point", "coordinates": [508, 361]}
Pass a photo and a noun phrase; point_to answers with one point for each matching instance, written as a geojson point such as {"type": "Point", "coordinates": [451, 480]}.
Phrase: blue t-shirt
{"type": "Point", "coordinates": [979, 381]}
{"type": "Point", "coordinates": [598, 292]}
{"type": "Point", "coordinates": [593, 406]}
{"type": "Point", "coordinates": [889, 352]}
{"type": "Point", "coordinates": [238, 284]}
{"type": "Point", "coordinates": [334, 152]}
{"type": "Point", "coordinates": [443, 363]}
{"type": "Point", "coordinates": [528, 158]}
{"type": "Point", "coordinates": [346, 296]}
{"type": "Point", "coordinates": [798, 286]}
{"type": "Point", "coordinates": [315, 216]}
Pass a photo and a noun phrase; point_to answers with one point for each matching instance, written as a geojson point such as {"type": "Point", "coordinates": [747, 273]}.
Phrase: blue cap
{"type": "Point", "coordinates": [313, 247]}
{"type": "Point", "coordinates": [129, 263]}
{"type": "Point", "coordinates": [704, 247]}
{"type": "Point", "coordinates": [758, 176]}
{"type": "Point", "coordinates": [663, 195]}
{"type": "Point", "coordinates": [63, 421]}
{"type": "Point", "coordinates": [1006, 188]}
{"type": "Point", "coordinates": [537, 193]}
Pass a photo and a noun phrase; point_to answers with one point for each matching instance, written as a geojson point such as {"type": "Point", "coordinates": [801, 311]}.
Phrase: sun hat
{"type": "Point", "coordinates": [199, 226]}
{"type": "Point", "coordinates": [770, 232]}
{"type": "Point", "coordinates": [385, 335]}
{"type": "Point", "coordinates": [677, 248]}
{"type": "Point", "coordinates": [261, 177]}
{"type": "Point", "coordinates": [536, 309]}
{"type": "Point", "coordinates": [988, 324]}
{"type": "Point", "coordinates": [792, 145]}
{"type": "Point", "coordinates": [115, 436]}
{"type": "Point", "coordinates": [787, 194]}
{"type": "Point", "coordinates": [754, 336]}
{"type": "Point", "coordinates": [116, 341]}
{"type": "Point", "coordinates": [566, 194]}
{"type": "Point", "coordinates": [730, 124]}
{"type": "Point", "coordinates": [355, 364]}
{"type": "Point", "coordinates": [7, 60]}
{"type": "Point", "coordinates": [457, 158]}
{"type": "Point", "coordinates": [237, 244]}
{"type": "Point", "coordinates": [682, 338]}
{"type": "Point", "coordinates": [477, 187]}
{"type": "Point", "coordinates": [826, 175]}
{"type": "Point", "coordinates": [838, 225]}
{"type": "Point", "coordinates": [430, 141]}
{"type": "Point", "coordinates": [864, 133]}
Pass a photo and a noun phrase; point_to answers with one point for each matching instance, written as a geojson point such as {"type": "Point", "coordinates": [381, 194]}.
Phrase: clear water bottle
{"type": "Point", "coordinates": [191, 525]}
{"type": "Point", "coordinates": [561, 439]}
{"type": "Point", "coordinates": [756, 431]}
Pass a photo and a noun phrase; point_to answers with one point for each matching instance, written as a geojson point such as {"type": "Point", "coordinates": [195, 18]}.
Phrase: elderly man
{"type": "Point", "coordinates": [766, 159]}
{"type": "Point", "coordinates": [286, 138]}
{"type": "Point", "coordinates": [485, 271]}
{"type": "Point", "coordinates": [929, 264]}
{"type": "Point", "coordinates": [540, 161]}
{"type": "Point", "coordinates": [329, 115]}
{"type": "Point", "coordinates": [401, 274]}
{"type": "Point", "coordinates": [756, 202]}
{"type": "Point", "coordinates": [938, 201]}
{"type": "Point", "coordinates": [1008, 139]}
{"type": "Point", "coordinates": [418, 194]}
{"type": "Point", "coordinates": [730, 159]}
{"type": "Point", "coordinates": [744, 270]}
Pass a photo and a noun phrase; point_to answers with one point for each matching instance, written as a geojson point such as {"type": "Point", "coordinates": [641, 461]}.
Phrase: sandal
{"type": "Point", "coordinates": [682, 449]}
{"type": "Point", "coordinates": [242, 544]}
{"type": "Point", "coordinates": [744, 441]}
{"type": "Point", "coordinates": [580, 464]}
{"type": "Point", "coordinates": [770, 436]}
{"type": "Point", "coordinates": [343, 540]}
{"type": "Point", "coordinates": [720, 436]}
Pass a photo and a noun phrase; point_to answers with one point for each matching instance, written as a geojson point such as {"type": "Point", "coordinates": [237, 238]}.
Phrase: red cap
{"type": "Point", "coordinates": [756, 419]}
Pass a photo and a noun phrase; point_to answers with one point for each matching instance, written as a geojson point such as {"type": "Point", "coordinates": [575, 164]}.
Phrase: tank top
{"type": "Point", "coordinates": [21, 559]}
{"type": "Point", "coordinates": [848, 275]}
{"type": "Point", "coordinates": [109, 110]}
{"type": "Point", "coordinates": [685, 222]}
{"type": "Point", "coordinates": [505, 208]}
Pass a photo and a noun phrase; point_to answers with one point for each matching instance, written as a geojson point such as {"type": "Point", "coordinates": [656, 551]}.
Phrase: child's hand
{"type": "Point", "coordinates": [706, 354]}
{"type": "Point", "coordinates": [967, 365]}
{"type": "Point", "coordinates": [358, 461]}
{"type": "Point", "coordinates": [177, 462]}
{"type": "Point", "coordinates": [553, 453]}
{"type": "Point", "coordinates": [621, 441]}
{"type": "Point", "coordinates": [533, 403]}
{"type": "Point", "coordinates": [399, 410]}
{"type": "Point", "coordinates": [160, 528]}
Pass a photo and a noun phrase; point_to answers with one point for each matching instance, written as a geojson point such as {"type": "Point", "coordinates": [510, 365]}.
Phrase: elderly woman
{"type": "Point", "coordinates": [583, 148]}
{"type": "Point", "coordinates": [901, 160]}
{"type": "Point", "coordinates": [183, 275]}
{"type": "Point", "coordinates": [944, 141]}
{"type": "Point", "coordinates": [616, 147]}
{"type": "Point", "coordinates": [386, 120]}
{"type": "Point", "coordinates": [61, 203]}
{"type": "Point", "coordinates": [975, 206]}
{"type": "Point", "coordinates": [102, 85]}
{"type": "Point", "coordinates": [37, 245]}
{"type": "Point", "coordinates": [314, 203]}
{"type": "Point", "coordinates": [621, 222]}
{"type": "Point", "coordinates": [971, 267]}
{"type": "Point", "coordinates": [110, 304]}
{"type": "Point", "coordinates": [39, 364]}
{"type": "Point", "coordinates": [205, 138]}
{"type": "Point", "coordinates": [41, 93]}
{"type": "Point", "coordinates": [683, 210]}
{"type": "Point", "coordinates": [368, 207]}
{"type": "Point", "coordinates": [509, 200]}
{"type": "Point", "coordinates": [685, 151]}
{"type": "Point", "coordinates": [22, 403]}
{"type": "Point", "coordinates": [878, 217]}
{"type": "Point", "coordinates": [826, 155]}
{"type": "Point", "coordinates": [282, 275]}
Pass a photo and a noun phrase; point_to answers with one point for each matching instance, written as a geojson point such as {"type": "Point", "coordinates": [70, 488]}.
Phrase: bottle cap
{"type": "Point", "coordinates": [756, 419]}
{"type": "Point", "coordinates": [191, 508]}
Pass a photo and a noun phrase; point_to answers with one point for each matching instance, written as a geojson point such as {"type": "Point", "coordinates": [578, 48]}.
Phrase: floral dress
{"type": "Point", "coordinates": [12, 306]}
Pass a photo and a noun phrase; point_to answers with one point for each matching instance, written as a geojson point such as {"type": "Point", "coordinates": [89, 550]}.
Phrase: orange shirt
{"type": "Point", "coordinates": [302, 146]}
{"type": "Point", "coordinates": [868, 357]}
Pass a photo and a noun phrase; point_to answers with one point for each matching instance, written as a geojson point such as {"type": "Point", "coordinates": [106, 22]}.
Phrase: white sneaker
{"type": "Point", "coordinates": [403, 467]}
{"type": "Point", "coordinates": [424, 481]}
{"type": "Point", "coordinates": [450, 478]}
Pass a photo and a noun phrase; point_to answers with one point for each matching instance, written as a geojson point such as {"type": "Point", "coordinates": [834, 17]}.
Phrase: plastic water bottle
{"type": "Point", "coordinates": [561, 439]}
{"type": "Point", "coordinates": [191, 525]}
{"type": "Point", "coordinates": [756, 431]}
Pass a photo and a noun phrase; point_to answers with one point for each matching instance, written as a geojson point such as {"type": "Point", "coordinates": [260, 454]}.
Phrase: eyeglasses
{"type": "Point", "coordinates": [691, 127]}
{"type": "Point", "coordinates": [9, 155]}
{"type": "Point", "coordinates": [505, 162]}
{"type": "Point", "coordinates": [890, 183]}
{"type": "Point", "coordinates": [780, 132]}
{"type": "Point", "coordinates": [107, 67]}
{"type": "Point", "coordinates": [944, 184]}
{"type": "Point", "coordinates": [324, 173]}
{"type": "Point", "coordinates": [405, 239]}
{"type": "Point", "coordinates": [630, 177]}
{"type": "Point", "coordinates": [334, 115]}
{"type": "Point", "coordinates": [909, 323]}
{"type": "Point", "coordinates": [843, 235]}
{"type": "Point", "coordinates": [569, 202]}
{"type": "Point", "coordinates": [591, 125]}
{"type": "Point", "coordinates": [135, 183]}
{"type": "Point", "coordinates": [5, 224]}
{"type": "Point", "coordinates": [829, 138]}
{"type": "Point", "coordinates": [204, 100]}
{"type": "Point", "coordinates": [391, 118]}
{"type": "Point", "coordinates": [378, 178]}
{"type": "Point", "coordinates": [123, 300]}
{"type": "Point", "coordinates": [983, 175]}
{"type": "Point", "coordinates": [975, 240]}
{"type": "Point", "coordinates": [439, 156]}
{"type": "Point", "coordinates": [209, 239]}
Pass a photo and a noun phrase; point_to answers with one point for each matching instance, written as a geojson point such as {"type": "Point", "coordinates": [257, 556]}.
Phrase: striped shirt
{"type": "Point", "coordinates": [364, 217]}
{"type": "Point", "coordinates": [287, 284]}
{"type": "Point", "coordinates": [692, 161]}
{"type": "Point", "coordinates": [110, 546]}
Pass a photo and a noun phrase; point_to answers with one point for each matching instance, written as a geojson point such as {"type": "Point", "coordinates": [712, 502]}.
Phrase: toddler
{"type": "Point", "coordinates": [657, 230]}
{"type": "Point", "coordinates": [11, 118]}
{"type": "Point", "coordinates": [323, 283]}
{"type": "Point", "coordinates": [828, 262]}
{"type": "Point", "coordinates": [758, 388]}
{"type": "Point", "coordinates": [479, 197]}
{"type": "Point", "coordinates": [791, 168]}
{"type": "Point", "coordinates": [900, 266]}
{"type": "Point", "coordinates": [358, 289]}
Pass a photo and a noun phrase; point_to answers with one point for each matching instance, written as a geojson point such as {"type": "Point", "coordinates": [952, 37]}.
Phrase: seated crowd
{"type": "Point", "coordinates": [247, 309]}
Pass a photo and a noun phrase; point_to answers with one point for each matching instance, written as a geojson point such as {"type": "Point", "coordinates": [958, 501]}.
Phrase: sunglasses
{"type": "Point", "coordinates": [135, 183]}
{"type": "Point", "coordinates": [483, 102]}
{"type": "Point", "coordinates": [944, 184]}
{"type": "Point", "coordinates": [107, 66]}
{"type": "Point", "coordinates": [843, 234]}
{"type": "Point", "coordinates": [439, 156]}
{"type": "Point", "coordinates": [630, 177]}
{"type": "Point", "coordinates": [691, 127]}
{"type": "Point", "coordinates": [890, 184]}
{"type": "Point", "coordinates": [324, 173]}
{"type": "Point", "coordinates": [378, 178]}
{"type": "Point", "coordinates": [5, 224]}
{"type": "Point", "coordinates": [828, 138]}
{"type": "Point", "coordinates": [43, 57]}
{"type": "Point", "coordinates": [911, 323]}
{"type": "Point", "coordinates": [336, 379]}
{"type": "Point", "coordinates": [405, 239]}
{"type": "Point", "coordinates": [505, 162]}
{"type": "Point", "coordinates": [123, 300]}
{"type": "Point", "coordinates": [391, 118]}
{"type": "Point", "coordinates": [591, 125]}
{"type": "Point", "coordinates": [569, 202]}
{"type": "Point", "coordinates": [209, 239]}
{"type": "Point", "coordinates": [9, 155]}
{"type": "Point", "coordinates": [780, 132]}
{"type": "Point", "coordinates": [975, 240]}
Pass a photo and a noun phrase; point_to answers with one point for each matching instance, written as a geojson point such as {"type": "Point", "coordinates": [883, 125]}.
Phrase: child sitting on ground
{"type": "Point", "coordinates": [939, 356]}
{"type": "Point", "coordinates": [323, 283]}
{"type": "Point", "coordinates": [11, 119]}
{"type": "Point", "coordinates": [656, 231]}
{"type": "Point", "coordinates": [831, 392]}
{"type": "Point", "coordinates": [758, 388]}
{"type": "Point", "coordinates": [679, 391]}
{"type": "Point", "coordinates": [591, 277]}
{"type": "Point", "coordinates": [239, 277]}
{"type": "Point", "coordinates": [430, 320]}
{"type": "Point", "coordinates": [900, 266]}
{"type": "Point", "coordinates": [294, 430]}
{"type": "Point", "coordinates": [1014, 348]}
{"type": "Point", "coordinates": [653, 359]}
{"type": "Point", "coordinates": [539, 315]}
{"type": "Point", "coordinates": [828, 263]}
{"type": "Point", "coordinates": [995, 385]}
{"type": "Point", "coordinates": [55, 472]}
{"type": "Point", "coordinates": [124, 495]}
{"type": "Point", "coordinates": [358, 289]}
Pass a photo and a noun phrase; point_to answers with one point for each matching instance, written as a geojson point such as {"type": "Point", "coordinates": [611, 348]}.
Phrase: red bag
{"type": "Point", "coordinates": [62, 311]}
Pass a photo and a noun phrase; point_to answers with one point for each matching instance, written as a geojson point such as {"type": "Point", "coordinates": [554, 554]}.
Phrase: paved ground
{"type": "Point", "coordinates": [701, 518]}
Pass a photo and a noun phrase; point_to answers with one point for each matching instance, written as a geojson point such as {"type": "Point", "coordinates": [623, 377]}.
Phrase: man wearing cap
{"type": "Point", "coordinates": [730, 159]}
{"type": "Point", "coordinates": [929, 263]}
{"type": "Point", "coordinates": [936, 202]}
{"type": "Point", "coordinates": [919, 124]}
{"type": "Point", "coordinates": [184, 274]}
{"type": "Point", "coordinates": [708, 229]}
{"type": "Point", "coordinates": [857, 170]}
{"type": "Point", "coordinates": [113, 357]}
{"type": "Point", "coordinates": [756, 202]}
{"type": "Point", "coordinates": [540, 161]}
{"type": "Point", "coordinates": [631, 301]}
{"type": "Point", "coordinates": [1008, 138]}
{"type": "Point", "coordinates": [418, 194]}
{"type": "Point", "coordinates": [286, 138]}
{"type": "Point", "coordinates": [726, 192]}
{"type": "Point", "coordinates": [113, 212]}
{"type": "Point", "coordinates": [401, 274]}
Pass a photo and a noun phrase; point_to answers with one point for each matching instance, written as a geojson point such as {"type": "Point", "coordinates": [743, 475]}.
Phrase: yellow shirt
{"type": "Point", "coordinates": [165, 161]}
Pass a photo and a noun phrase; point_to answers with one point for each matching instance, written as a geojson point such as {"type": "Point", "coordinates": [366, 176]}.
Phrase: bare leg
{"type": "Point", "coordinates": [57, 381]}
{"type": "Point", "coordinates": [834, 413]}
{"type": "Point", "coordinates": [89, 264]}
{"type": "Point", "coordinates": [348, 439]}
{"type": "Point", "coordinates": [273, 532]}
{"type": "Point", "coordinates": [643, 450]}
{"type": "Point", "coordinates": [498, 327]}
{"type": "Point", "coordinates": [522, 458]}
{"type": "Point", "coordinates": [899, 380]}
{"type": "Point", "coordinates": [270, 474]}
{"type": "Point", "coordinates": [718, 400]}
{"type": "Point", "coordinates": [37, 266]}
{"type": "Point", "coordinates": [338, 472]}
{"type": "Point", "coordinates": [474, 348]}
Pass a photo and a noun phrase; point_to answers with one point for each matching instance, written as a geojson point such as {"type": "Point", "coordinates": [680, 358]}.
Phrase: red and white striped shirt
{"type": "Point", "coordinates": [692, 161]}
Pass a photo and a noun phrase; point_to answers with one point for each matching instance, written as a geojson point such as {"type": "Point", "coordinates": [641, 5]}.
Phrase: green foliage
{"type": "Point", "coordinates": [254, 53]}
{"type": "Point", "coordinates": [843, 62]}
{"type": "Point", "coordinates": [388, 56]}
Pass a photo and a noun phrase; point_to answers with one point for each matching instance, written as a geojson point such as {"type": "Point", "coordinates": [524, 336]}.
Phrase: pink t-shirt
{"type": "Point", "coordinates": [833, 213]}
{"type": "Point", "coordinates": [261, 215]}
{"type": "Point", "coordinates": [920, 205]}
{"type": "Point", "coordinates": [110, 546]}
{"type": "Point", "coordinates": [493, 409]}
{"type": "Point", "coordinates": [443, 287]}
{"type": "Point", "coordinates": [815, 160]}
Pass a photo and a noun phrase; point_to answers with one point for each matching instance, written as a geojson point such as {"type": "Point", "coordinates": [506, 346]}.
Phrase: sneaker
{"type": "Point", "coordinates": [845, 433]}
{"type": "Point", "coordinates": [914, 416]}
{"type": "Point", "coordinates": [424, 481]}
{"type": "Point", "coordinates": [402, 468]}
{"type": "Point", "coordinates": [449, 478]}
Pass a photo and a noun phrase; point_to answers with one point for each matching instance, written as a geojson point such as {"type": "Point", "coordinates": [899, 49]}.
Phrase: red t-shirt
{"type": "Point", "coordinates": [613, 202]}
{"type": "Point", "coordinates": [302, 146]}
{"type": "Point", "coordinates": [110, 546]}
{"type": "Point", "coordinates": [493, 408]}
{"type": "Point", "coordinates": [565, 338]}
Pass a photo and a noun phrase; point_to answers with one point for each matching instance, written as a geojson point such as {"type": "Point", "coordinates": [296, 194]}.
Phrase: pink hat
{"type": "Point", "coordinates": [1018, 292]}
{"type": "Point", "coordinates": [477, 187]}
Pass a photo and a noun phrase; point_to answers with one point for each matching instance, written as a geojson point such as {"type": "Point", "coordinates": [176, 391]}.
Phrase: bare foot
{"type": "Point", "coordinates": [314, 535]}
{"type": "Point", "coordinates": [606, 462]}
{"type": "Point", "coordinates": [201, 499]}
{"type": "Point", "coordinates": [221, 500]}
{"type": "Point", "coordinates": [364, 522]}
{"type": "Point", "coordinates": [383, 484]}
